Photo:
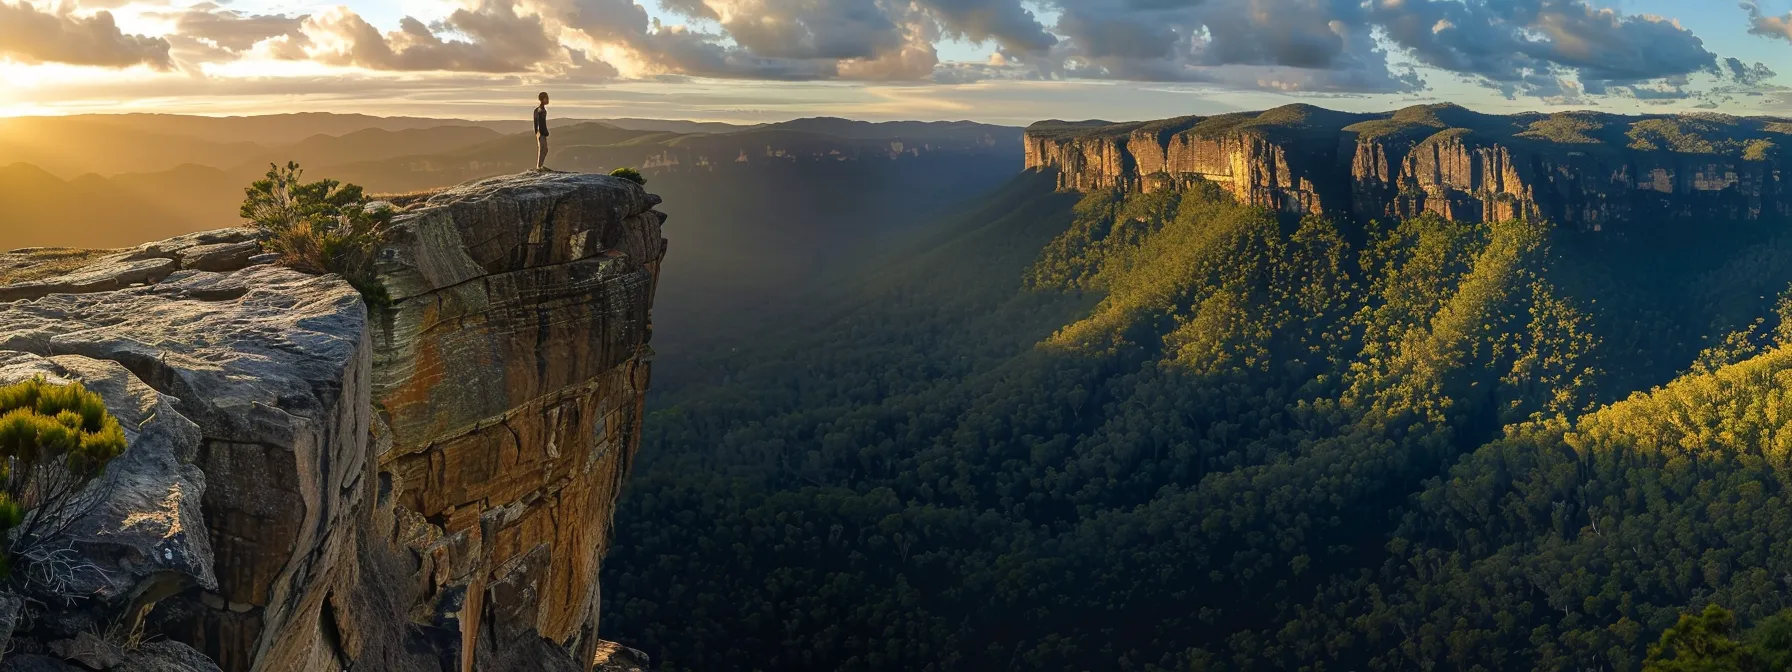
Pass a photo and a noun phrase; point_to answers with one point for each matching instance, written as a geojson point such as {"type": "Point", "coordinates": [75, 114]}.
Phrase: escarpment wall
{"type": "Point", "coordinates": [428, 486]}
{"type": "Point", "coordinates": [1443, 160]}
{"type": "Point", "coordinates": [510, 375]}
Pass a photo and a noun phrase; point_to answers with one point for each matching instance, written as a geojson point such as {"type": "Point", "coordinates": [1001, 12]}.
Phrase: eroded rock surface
{"type": "Point", "coordinates": [271, 365]}
{"type": "Point", "coordinates": [309, 489]}
{"type": "Point", "coordinates": [220, 250]}
{"type": "Point", "coordinates": [510, 375]}
{"type": "Point", "coordinates": [143, 536]}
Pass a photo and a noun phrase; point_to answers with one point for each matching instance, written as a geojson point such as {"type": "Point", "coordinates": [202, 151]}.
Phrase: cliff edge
{"type": "Point", "coordinates": [1586, 170]}
{"type": "Point", "coordinates": [311, 486]}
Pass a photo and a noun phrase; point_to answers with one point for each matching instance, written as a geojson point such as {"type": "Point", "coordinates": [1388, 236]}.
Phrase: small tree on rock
{"type": "Point", "coordinates": [54, 440]}
{"type": "Point", "coordinates": [630, 174]}
{"type": "Point", "coordinates": [319, 227]}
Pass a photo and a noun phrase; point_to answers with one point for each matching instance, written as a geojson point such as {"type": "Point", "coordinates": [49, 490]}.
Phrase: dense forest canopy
{"type": "Point", "coordinates": [1167, 431]}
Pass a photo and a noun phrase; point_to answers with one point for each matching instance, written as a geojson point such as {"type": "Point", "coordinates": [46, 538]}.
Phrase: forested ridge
{"type": "Point", "coordinates": [1166, 431]}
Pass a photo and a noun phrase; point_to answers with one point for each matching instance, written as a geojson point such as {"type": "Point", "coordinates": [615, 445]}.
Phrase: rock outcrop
{"type": "Point", "coordinates": [1584, 170]}
{"type": "Point", "coordinates": [308, 487]}
{"type": "Point", "coordinates": [510, 376]}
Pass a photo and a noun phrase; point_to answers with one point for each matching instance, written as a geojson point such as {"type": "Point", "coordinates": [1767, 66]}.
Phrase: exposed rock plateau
{"type": "Point", "coordinates": [1582, 169]}
{"type": "Point", "coordinates": [311, 488]}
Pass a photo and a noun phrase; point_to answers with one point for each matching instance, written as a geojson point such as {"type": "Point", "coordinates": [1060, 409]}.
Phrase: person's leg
{"type": "Point", "coordinates": [541, 158]}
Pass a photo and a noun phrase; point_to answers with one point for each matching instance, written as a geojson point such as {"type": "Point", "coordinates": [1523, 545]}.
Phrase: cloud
{"type": "Point", "coordinates": [1749, 75]}
{"type": "Point", "coordinates": [760, 39]}
{"type": "Point", "coordinates": [58, 36]}
{"type": "Point", "coordinates": [672, 50]}
{"type": "Point", "coordinates": [1277, 45]}
{"type": "Point", "coordinates": [1759, 23]}
{"type": "Point", "coordinates": [1292, 33]}
{"type": "Point", "coordinates": [1510, 43]}
{"type": "Point", "coordinates": [231, 29]}
{"type": "Point", "coordinates": [1004, 21]}
{"type": "Point", "coordinates": [1554, 50]}
{"type": "Point", "coordinates": [209, 33]}
{"type": "Point", "coordinates": [1558, 49]}
{"type": "Point", "coordinates": [809, 29]}
{"type": "Point", "coordinates": [498, 40]}
{"type": "Point", "coordinates": [680, 50]}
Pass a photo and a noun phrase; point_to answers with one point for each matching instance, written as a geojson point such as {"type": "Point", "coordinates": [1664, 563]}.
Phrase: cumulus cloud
{"type": "Point", "coordinates": [1282, 45]}
{"type": "Point", "coordinates": [231, 29]}
{"type": "Point", "coordinates": [760, 39]}
{"type": "Point", "coordinates": [498, 40]}
{"type": "Point", "coordinates": [1760, 23]}
{"type": "Point", "coordinates": [59, 36]}
{"type": "Point", "coordinates": [1005, 22]}
{"type": "Point", "coordinates": [809, 29]}
{"type": "Point", "coordinates": [1510, 43]}
{"type": "Point", "coordinates": [1554, 49]}
{"type": "Point", "coordinates": [210, 33]}
{"type": "Point", "coordinates": [1545, 48]}
{"type": "Point", "coordinates": [673, 50]}
{"type": "Point", "coordinates": [1558, 50]}
{"type": "Point", "coordinates": [913, 60]}
{"type": "Point", "coordinates": [680, 50]}
{"type": "Point", "coordinates": [1749, 75]}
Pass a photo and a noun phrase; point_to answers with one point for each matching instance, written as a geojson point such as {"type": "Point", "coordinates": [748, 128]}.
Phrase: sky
{"type": "Point", "coordinates": [999, 61]}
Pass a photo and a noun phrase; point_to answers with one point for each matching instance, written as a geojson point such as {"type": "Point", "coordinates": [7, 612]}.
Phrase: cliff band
{"type": "Point", "coordinates": [1582, 169]}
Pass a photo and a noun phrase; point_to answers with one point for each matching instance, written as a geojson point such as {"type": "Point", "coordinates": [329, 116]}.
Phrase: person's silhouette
{"type": "Point", "coordinates": [541, 131]}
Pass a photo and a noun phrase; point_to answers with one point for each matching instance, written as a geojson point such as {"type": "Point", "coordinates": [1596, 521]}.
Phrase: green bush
{"type": "Point", "coordinates": [1707, 642]}
{"type": "Point", "coordinates": [319, 227]}
{"type": "Point", "coordinates": [54, 440]}
{"type": "Point", "coordinates": [630, 174]}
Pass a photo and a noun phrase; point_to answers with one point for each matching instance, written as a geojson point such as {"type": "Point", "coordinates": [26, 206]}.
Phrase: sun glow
{"type": "Point", "coordinates": [25, 89]}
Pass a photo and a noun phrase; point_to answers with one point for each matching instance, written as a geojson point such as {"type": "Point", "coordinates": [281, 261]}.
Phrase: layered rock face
{"type": "Point", "coordinates": [313, 489]}
{"type": "Point", "coordinates": [270, 367]}
{"type": "Point", "coordinates": [510, 376]}
{"type": "Point", "coordinates": [1584, 170]}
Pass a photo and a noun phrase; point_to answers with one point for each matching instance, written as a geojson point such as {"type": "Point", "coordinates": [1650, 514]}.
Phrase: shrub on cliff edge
{"type": "Point", "coordinates": [319, 227]}
{"type": "Point", "coordinates": [630, 174]}
{"type": "Point", "coordinates": [54, 440]}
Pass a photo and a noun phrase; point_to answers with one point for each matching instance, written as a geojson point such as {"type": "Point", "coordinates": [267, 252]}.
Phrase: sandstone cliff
{"type": "Point", "coordinates": [309, 487]}
{"type": "Point", "coordinates": [1586, 170]}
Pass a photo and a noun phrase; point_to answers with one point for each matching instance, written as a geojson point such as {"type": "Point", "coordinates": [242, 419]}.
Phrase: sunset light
{"type": "Point", "coordinates": [896, 335]}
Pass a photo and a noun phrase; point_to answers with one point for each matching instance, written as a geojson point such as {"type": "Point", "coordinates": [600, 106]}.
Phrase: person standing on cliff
{"type": "Point", "coordinates": [541, 131]}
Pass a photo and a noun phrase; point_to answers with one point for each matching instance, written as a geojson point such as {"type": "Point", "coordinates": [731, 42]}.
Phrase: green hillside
{"type": "Point", "coordinates": [1167, 431]}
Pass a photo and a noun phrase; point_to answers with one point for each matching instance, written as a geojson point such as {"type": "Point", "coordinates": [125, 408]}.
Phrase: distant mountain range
{"type": "Point", "coordinates": [757, 212]}
{"type": "Point", "coordinates": [107, 145]}
{"type": "Point", "coordinates": [114, 180]}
